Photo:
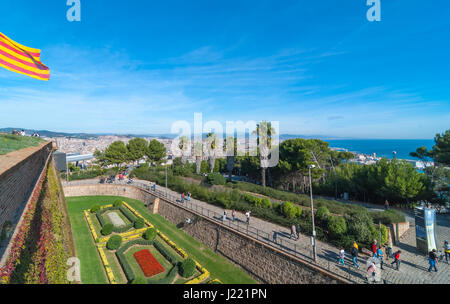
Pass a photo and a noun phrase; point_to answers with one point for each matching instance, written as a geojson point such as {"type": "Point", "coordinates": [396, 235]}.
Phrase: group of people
{"type": "Point", "coordinates": [233, 216]}
{"type": "Point", "coordinates": [433, 259]}
{"type": "Point", "coordinates": [186, 197]}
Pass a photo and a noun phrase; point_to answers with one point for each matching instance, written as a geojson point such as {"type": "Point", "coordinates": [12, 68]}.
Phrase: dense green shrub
{"type": "Point", "coordinates": [216, 179]}
{"type": "Point", "coordinates": [139, 223]}
{"type": "Point", "coordinates": [384, 234]}
{"type": "Point", "coordinates": [117, 203]}
{"type": "Point", "coordinates": [360, 225]}
{"type": "Point", "coordinates": [337, 226]}
{"type": "Point", "coordinates": [150, 234]}
{"type": "Point", "coordinates": [323, 213]}
{"type": "Point", "coordinates": [139, 280]}
{"type": "Point", "coordinates": [289, 210]}
{"type": "Point", "coordinates": [266, 203]}
{"type": "Point", "coordinates": [95, 208]}
{"type": "Point", "coordinates": [187, 268]}
{"type": "Point", "coordinates": [107, 229]}
{"type": "Point", "coordinates": [114, 242]}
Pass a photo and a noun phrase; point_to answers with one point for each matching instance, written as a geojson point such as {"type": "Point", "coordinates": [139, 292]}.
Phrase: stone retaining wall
{"type": "Point", "coordinates": [17, 181]}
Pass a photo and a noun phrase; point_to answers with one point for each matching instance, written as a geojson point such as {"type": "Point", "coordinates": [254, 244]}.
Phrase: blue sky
{"type": "Point", "coordinates": [317, 67]}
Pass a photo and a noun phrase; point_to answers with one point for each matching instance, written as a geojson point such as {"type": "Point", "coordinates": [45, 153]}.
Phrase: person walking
{"type": "Point", "coordinates": [293, 234]}
{"type": "Point", "coordinates": [388, 251]}
{"type": "Point", "coordinates": [341, 256]}
{"type": "Point", "coordinates": [354, 253]}
{"type": "Point", "coordinates": [224, 216]}
{"type": "Point", "coordinates": [446, 250]}
{"type": "Point", "coordinates": [297, 230]}
{"type": "Point", "coordinates": [233, 214]}
{"type": "Point", "coordinates": [371, 271]}
{"type": "Point", "coordinates": [432, 260]}
{"type": "Point", "coordinates": [380, 255]}
{"type": "Point", "coordinates": [373, 248]}
{"type": "Point", "coordinates": [386, 205]}
{"type": "Point", "coordinates": [397, 259]}
{"type": "Point", "coordinates": [247, 214]}
{"type": "Point", "coordinates": [182, 198]}
{"type": "Point", "coordinates": [154, 187]}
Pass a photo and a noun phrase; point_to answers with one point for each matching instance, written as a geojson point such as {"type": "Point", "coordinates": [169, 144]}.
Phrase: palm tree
{"type": "Point", "coordinates": [264, 132]}
{"type": "Point", "coordinates": [183, 145]}
{"type": "Point", "coordinates": [198, 150]}
{"type": "Point", "coordinates": [230, 158]}
{"type": "Point", "coordinates": [212, 144]}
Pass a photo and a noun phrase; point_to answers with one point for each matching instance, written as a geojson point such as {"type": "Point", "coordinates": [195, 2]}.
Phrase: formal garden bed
{"type": "Point", "coordinates": [170, 246]}
{"type": "Point", "coordinates": [132, 250]}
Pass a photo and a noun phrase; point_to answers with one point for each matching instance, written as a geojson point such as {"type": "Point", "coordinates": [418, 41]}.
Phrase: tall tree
{"type": "Point", "coordinates": [212, 145]}
{"type": "Point", "coordinates": [183, 145]}
{"type": "Point", "coordinates": [100, 158]}
{"type": "Point", "coordinates": [198, 152]}
{"type": "Point", "coordinates": [264, 133]}
{"type": "Point", "coordinates": [137, 148]}
{"type": "Point", "coordinates": [117, 153]}
{"type": "Point", "coordinates": [230, 145]}
{"type": "Point", "coordinates": [156, 151]}
{"type": "Point", "coordinates": [441, 148]}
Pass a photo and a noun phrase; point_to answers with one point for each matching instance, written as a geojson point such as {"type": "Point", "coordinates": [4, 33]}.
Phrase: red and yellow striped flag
{"type": "Point", "coordinates": [21, 59]}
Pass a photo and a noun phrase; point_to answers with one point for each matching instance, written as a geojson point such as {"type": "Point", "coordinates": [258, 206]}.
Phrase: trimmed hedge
{"type": "Point", "coordinates": [139, 223]}
{"type": "Point", "coordinates": [171, 257]}
{"type": "Point", "coordinates": [117, 203]}
{"type": "Point", "coordinates": [95, 208]}
{"type": "Point", "coordinates": [107, 229]}
{"type": "Point", "coordinates": [187, 268]}
{"type": "Point", "coordinates": [102, 221]}
{"type": "Point", "coordinates": [139, 280]}
{"type": "Point", "coordinates": [168, 279]}
{"type": "Point", "coordinates": [150, 234]}
{"type": "Point", "coordinates": [114, 242]}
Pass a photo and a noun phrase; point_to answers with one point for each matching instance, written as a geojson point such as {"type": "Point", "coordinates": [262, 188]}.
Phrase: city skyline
{"type": "Point", "coordinates": [320, 69]}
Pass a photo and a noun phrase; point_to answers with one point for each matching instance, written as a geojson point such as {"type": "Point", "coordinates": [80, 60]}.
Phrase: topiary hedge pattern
{"type": "Point", "coordinates": [187, 268]}
{"type": "Point", "coordinates": [150, 234]}
{"type": "Point", "coordinates": [114, 242]}
{"type": "Point", "coordinates": [95, 208]}
{"type": "Point", "coordinates": [117, 203]}
{"type": "Point", "coordinates": [107, 229]}
{"type": "Point", "coordinates": [139, 223]}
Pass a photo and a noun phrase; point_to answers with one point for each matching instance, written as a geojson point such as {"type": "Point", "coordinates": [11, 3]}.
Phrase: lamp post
{"type": "Point", "coordinates": [313, 238]}
{"type": "Point", "coordinates": [166, 177]}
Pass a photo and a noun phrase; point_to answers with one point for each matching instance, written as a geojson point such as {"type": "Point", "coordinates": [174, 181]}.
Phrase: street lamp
{"type": "Point", "coordinates": [313, 238]}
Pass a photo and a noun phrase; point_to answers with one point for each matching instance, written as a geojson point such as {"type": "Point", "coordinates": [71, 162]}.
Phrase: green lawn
{"type": "Point", "coordinates": [9, 142]}
{"type": "Point", "coordinates": [91, 266]}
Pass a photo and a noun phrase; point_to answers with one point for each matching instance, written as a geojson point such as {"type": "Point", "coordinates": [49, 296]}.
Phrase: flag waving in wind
{"type": "Point", "coordinates": [21, 59]}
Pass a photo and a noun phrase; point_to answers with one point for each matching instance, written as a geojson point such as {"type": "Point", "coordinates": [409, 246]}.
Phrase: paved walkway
{"type": "Point", "coordinates": [412, 270]}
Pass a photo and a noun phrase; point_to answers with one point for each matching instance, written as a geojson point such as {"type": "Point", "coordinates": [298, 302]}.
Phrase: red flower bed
{"type": "Point", "coordinates": [149, 265]}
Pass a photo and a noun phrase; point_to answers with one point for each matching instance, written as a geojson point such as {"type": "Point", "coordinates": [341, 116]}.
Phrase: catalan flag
{"type": "Point", "coordinates": [21, 59]}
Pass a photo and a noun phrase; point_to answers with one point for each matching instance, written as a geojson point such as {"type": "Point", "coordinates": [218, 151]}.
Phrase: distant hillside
{"type": "Point", "coordinates": [47, 133]}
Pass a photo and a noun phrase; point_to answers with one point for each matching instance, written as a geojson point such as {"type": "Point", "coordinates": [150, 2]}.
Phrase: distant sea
{"type": "Point", "coordinates": [382, 147]}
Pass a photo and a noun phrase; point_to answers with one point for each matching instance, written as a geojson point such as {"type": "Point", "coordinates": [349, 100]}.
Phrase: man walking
{"type": "Point", "coordinates": [432, 260]}
{"type": "Point", "coordinates": [354, 253]}
{"type": "Point", "coordinates": [386, 205]}
{"type": "Point", "coordinates": [446, 250]}
{"type": "Point", "coordinates": [397, 259]}
{"type": "Point", "coordinates": [341, 256]}
{"type": "Point", "coordinates": [388, 251]}
{"type": "Point", "coordinates": [233, 214]}
{"type": "Point", "coordinates": [293, 232]}
{"type": "Point", "coordinates": [247, 214]}
{"type": "Point", "coordinates": [380, 256]}
{"type": "Point", "coordinates": [298, 231]}
{"type": "Point", "coordinates": [373, 248]}
{"type": "Point", "coordinates": [224, 217]}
